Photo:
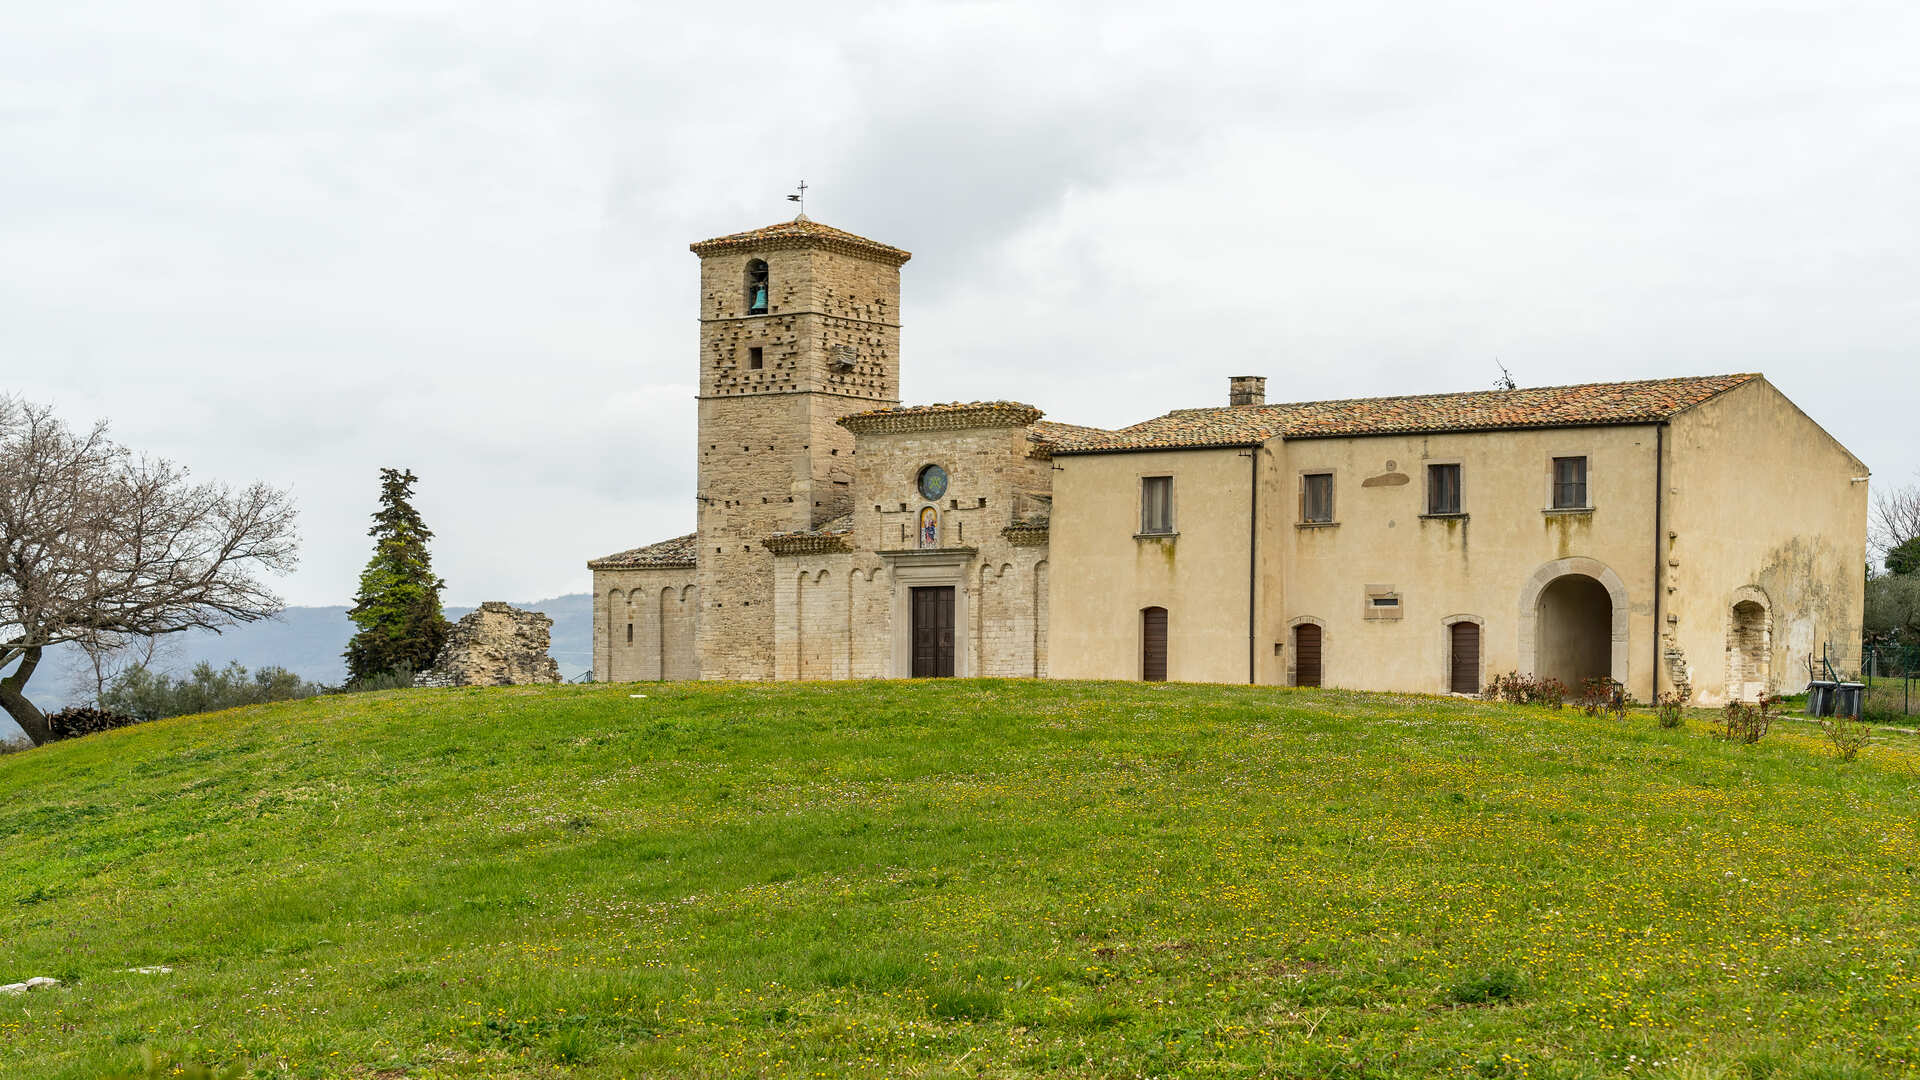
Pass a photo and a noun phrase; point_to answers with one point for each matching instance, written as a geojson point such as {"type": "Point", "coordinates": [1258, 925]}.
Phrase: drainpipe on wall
{"type": "Point", "coordinates": [1253, 562]}
{"type": "Point", "coordinates": [1659, 545]}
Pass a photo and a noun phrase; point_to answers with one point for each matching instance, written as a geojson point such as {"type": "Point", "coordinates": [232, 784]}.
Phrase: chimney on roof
{"type": "Point", "coordinates": [1247, 390]}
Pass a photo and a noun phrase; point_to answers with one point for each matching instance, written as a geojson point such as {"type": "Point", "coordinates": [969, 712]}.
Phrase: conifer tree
{"type": "Point", "coordinates": [398, 606]}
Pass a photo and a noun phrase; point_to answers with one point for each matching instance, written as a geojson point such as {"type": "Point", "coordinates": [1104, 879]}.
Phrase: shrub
{"type": "Point", "coordinates": [1517, 689]}
{"type": "Point", "coordinates": [400, 678]}
{"type": "Point", "coordinates": [1603, 694]}
{"type": "Point", "coordinates": [1749, 723]}
{"type": "Point", "coordinates": [1670, 707]}
{"type": "Point", "coordinates": [1848, 736]}
{"type": "Point", "coordinates": [71, 723]}
{"type": "Point", "coordinates": [149, 696]}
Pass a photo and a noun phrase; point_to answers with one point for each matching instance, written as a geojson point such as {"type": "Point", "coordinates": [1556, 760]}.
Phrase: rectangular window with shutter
{"type": "Point", "coordinates": [1156, 504]}
{"type": "Point", "coordinates": [1316, 498]}
{"type": "Point", "coordinates": [1570, 483]}
{"type": "Point", "coordinates": [1443, 489]}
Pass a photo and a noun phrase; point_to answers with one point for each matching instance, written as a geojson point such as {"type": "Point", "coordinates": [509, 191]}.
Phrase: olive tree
{"type": "Point", "coordinates": [104, 548]}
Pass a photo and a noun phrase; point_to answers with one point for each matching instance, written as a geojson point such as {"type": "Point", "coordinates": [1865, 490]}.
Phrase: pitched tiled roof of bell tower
{"type": "Point", "coordinates": [802, 231]}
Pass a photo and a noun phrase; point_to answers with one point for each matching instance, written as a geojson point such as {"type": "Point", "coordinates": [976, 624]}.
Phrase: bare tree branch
{"type": "Point", "coordinates": [1896, 519]}
{"type": "Point", "coordinates": [105, 548]}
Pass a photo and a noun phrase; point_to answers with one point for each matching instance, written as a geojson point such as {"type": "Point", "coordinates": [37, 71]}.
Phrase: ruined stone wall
{"type": "Point", "coordinates": [643, 625]}
{"type": "Point", "coordinates": [495, 645]}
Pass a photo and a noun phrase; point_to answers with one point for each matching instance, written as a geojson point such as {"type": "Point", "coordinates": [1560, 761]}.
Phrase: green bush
{"type": "Point", "coordinates": [1670, 709]}
{"type": "Point", "coordinates": [400, 678]}
{"type": "Point", "coordinates": [144, 694]}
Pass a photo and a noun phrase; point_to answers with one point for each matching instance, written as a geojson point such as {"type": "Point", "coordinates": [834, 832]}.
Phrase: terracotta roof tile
{"type": "Point", "coordinates": [1478, 410]}
{"type": "Point", "coordinates": [828, 536]}
{"type": "Point", "coordinates": [952, 415]}
{"type": "Point", "coordinates": [1055, 432]}
{"type": "Point", "coordinates": [801, 230]}
{"type": "Point", "coordinates": [674, 554]}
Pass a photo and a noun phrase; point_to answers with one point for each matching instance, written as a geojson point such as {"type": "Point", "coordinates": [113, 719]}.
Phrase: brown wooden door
{"type": "Point", "coordinates": [1465, 678]}
{"type": "Point", "coordinates": [1153, 644]}
{"type": "Point", "coordinates": [933, 632]}
{"type": "Point", "coordinates": [1306, 655]}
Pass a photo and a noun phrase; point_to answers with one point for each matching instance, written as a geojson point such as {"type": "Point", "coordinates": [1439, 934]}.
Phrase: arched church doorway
{"type": "Point", "coordinates": [1748, 649]}
{"type": "Point", "coordinates": [1574, 631]}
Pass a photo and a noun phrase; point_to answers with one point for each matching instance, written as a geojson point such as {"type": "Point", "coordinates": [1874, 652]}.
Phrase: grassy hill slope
{"type": "Point", "coordinates": [955, 879]}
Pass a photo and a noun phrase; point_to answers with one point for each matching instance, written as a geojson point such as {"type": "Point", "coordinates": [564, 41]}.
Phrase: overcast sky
{"type": "Point", "coordinates": [300, 245]}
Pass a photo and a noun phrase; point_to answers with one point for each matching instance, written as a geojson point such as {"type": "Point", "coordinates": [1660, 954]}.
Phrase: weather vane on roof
{"type": "Point", "coordinates": [800, 198]}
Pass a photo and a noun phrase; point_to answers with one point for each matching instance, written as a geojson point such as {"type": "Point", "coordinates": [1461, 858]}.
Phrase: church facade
{"type": "Point", "coordinates": [1694, 534]}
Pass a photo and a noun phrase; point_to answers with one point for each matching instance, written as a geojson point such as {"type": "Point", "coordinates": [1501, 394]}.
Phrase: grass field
{"type": "Point", "coordinates": [956, 879]}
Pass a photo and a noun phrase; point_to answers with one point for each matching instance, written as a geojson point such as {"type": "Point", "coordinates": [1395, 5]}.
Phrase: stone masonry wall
{"type": "Point", "coordinates": [771, 457]}
{"type": "Point", "coordinates": [496, 645]}
{"type": "Point", "coordinates": [834, 613]}
{"type": "Point", "coordinates": [644, 625]}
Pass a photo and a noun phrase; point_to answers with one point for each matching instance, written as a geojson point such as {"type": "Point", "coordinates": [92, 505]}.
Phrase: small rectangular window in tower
{"type": "Point", "coordinates": [756, 358]}
{"type": "Point", "coordinates": [629, 633]}
{"type": "Point", "coordinates": [1316, 498]}
{"type": "Point", "coordinates": [1156, 504]}
{"type": "Point", "coordinates": [1443, 489]}
{"type": "Point", "coordinates": [1570, 483]}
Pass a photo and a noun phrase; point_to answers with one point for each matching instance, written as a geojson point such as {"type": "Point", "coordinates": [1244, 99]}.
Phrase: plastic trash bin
{"type": "Point", "coordinates": [1820, 698]}
{"type": "Point", "coordinates": [1847, 699]}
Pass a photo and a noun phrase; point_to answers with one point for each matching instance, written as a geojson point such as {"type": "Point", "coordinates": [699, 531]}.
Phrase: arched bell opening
{"type": "Point", "coordinates": [757, 285]}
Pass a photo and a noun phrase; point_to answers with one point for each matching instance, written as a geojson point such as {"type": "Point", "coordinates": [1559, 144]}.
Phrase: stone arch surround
{"type": "Point", "coordinates": [1445, 655]}
{"type": "Point", "coordinates": [1749, 670]}
{"type": "Point", "coordinates": [1547, 574]}
{"type": "Point", "coordinates": [1292, 654]}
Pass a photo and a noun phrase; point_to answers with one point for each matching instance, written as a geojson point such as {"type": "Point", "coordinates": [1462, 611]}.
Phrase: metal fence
{"type": "Point", "coordinates": [1892, 675]}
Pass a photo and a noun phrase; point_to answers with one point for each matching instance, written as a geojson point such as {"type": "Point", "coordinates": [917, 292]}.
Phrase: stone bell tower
{"type": "Point", "coordinates": [799, 326]}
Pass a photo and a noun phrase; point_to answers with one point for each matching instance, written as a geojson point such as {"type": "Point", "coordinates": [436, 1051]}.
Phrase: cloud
{"type": "Point", "coordinates": [300, 244]}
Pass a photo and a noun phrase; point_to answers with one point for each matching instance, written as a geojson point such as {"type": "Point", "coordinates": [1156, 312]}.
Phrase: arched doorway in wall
{"type": "Point", "coordinates": [1574, 617]}
{"type": "Point", "coordinates": [1574, 627]}
{"type": "Point", "coordinates": [1308, 642]}
{"type": "Point", "coordinates": [1153, 644]}
{"type": "Point", "coordinates": [1749, 647]}
{"type": "Point", "coordinates": [1463, 656]}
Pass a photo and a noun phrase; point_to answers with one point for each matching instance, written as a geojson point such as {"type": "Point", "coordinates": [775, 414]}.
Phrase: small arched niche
{"type": "Point", "coordinates": [1749, 646]}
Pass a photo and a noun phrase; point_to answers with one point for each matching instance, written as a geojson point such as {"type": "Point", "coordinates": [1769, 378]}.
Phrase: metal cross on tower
{"type": "Point", "coordinates": [800, 198]}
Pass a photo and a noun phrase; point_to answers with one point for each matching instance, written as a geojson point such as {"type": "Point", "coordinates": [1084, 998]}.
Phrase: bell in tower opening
{"type": "Point", "coordinates": [756, 288]}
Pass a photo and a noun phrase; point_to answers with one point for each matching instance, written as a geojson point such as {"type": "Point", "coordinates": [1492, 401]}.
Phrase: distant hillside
{"type": "Point", "coordinates": [305, 640]}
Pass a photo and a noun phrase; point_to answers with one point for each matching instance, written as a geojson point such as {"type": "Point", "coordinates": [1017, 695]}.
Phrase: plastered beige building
{"type": "Point", "coordinates": [1698, 534]}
